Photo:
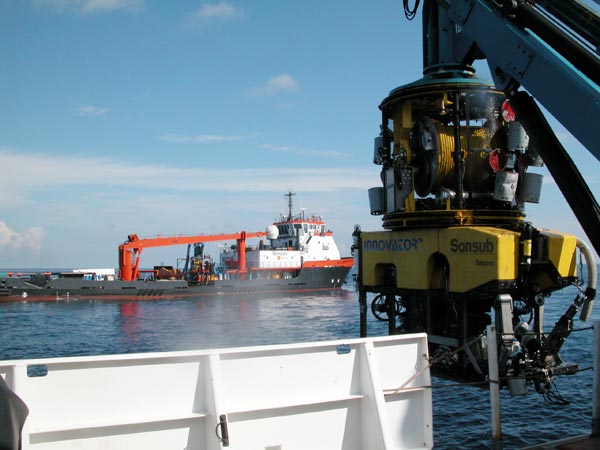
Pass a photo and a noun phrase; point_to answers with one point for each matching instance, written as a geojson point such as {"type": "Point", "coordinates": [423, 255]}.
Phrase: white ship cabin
{"type": "Point", "coordinates": [95, 274]}
{"type": "Point", "coordinates": [307, 235]}
{"type": "Point", "coordinates": [291, 243]}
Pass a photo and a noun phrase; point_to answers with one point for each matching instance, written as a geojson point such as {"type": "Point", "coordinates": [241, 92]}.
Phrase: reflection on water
{"type": "Point", "coordinates": [224, 321]}
{"type": "Point", "coordinates": [89, 327]}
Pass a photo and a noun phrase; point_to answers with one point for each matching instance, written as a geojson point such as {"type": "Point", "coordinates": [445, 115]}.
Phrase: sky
{"type": "Point", "coordinates": [194, 117]}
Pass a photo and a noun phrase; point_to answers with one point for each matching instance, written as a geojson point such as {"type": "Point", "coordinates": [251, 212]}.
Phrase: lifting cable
{"type": "Point", "coordinates": [430, 362]}
{"type": "Point", "coordinates": [409, 12]}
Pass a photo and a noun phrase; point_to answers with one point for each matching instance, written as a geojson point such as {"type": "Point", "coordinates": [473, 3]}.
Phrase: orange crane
{"type": "Point", "coordinates": [130, 251]}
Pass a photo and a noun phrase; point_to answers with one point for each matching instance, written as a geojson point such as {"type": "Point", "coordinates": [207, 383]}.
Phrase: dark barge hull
{"type": "Point", "coordinates": [307, 280]}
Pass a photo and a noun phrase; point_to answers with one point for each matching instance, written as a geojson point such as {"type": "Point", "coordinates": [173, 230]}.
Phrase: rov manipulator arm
{"type": "Point", "coordinates": [563, 327]}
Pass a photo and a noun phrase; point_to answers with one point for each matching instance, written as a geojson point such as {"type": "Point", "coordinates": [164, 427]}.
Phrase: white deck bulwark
{"type": "Point", "coordinates": [324, 395]}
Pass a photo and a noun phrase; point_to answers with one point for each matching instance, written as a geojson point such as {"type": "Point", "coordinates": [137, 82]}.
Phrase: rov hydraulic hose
{"type": "Point", "coordinates": [592, 272]}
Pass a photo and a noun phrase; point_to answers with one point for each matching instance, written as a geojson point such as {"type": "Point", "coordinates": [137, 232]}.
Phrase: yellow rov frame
{"type": "Point", "coordinates": [456, 252]}
{"type": "Point", "coordinates": [479, 258]}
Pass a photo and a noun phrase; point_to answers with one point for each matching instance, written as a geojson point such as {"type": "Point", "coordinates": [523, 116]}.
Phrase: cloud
{"type": "Point", "coordinates": [31, 238]}
{"type": "Point", "coordinates": [81, 207]}
{"type": "Point", "coordinates": [91, 111]}
{"type": "Point", "coordinates": [91, 6]}
{"type": "Point", "coordinates": [34, 174]}
{"type": "Point", "coordinates": [211, 13]}
{"type": "Point", "coordinates": [306, 151]}
{"type": "Point", "coordinates": [203, 138]}
{"type": "Point", "coordinates": [280, 84]}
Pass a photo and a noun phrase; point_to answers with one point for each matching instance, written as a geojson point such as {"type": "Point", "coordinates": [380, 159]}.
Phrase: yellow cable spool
{"type": "Point", "coordinates": [476, 159]}
{"type": "Point", "coordinates": [432, 145]}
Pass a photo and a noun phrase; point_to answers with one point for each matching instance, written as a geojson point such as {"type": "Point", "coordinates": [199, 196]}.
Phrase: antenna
{"type": "Point", "coordinates": [289, 194]}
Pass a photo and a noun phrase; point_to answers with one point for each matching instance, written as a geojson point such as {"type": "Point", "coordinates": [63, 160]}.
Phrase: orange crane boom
{"type": "Point", "coordinates": [130, 251]}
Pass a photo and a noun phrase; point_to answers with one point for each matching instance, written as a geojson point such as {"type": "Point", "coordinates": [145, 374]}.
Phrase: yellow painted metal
{"type": "Point", "coordinates": [475, 255]}
{"type": "Point", "coordinates": [408, 251]}
{"type": "Point", "coordinates": [403, 123]}
{"type": "Point", "coordinates": [562, 252]}
{"type": "Point", "coordinates": [463, 217]}
{"type": "Point", "coordinates": [479, 255]}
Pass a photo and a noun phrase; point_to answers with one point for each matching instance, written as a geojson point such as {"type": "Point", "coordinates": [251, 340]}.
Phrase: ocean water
{"type": "Point", "coordinates": [461, 413]}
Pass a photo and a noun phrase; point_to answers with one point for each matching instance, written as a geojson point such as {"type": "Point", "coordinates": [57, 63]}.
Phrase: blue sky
{"type": "Point", "coordinates": [190, 117]}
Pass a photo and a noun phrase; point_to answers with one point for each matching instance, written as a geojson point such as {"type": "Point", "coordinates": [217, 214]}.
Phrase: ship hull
{"type": "Point", "coordinates": [306, 279]}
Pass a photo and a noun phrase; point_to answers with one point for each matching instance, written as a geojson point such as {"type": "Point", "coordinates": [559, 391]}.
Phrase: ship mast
{"type": "Point", "coordinates": [289, 196]}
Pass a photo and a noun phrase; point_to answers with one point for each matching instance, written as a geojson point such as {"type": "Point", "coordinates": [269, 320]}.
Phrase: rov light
{"type": "Point", "coordinates": [508, 113]}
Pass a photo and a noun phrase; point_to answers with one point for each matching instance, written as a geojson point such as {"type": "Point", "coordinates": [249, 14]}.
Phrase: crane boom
{"type": "Point", "coordinates": [522, 47]}
{"type": "Point", "coordinates": [131, 250]}
{"type": "Point", "coordinates": [525, 46]}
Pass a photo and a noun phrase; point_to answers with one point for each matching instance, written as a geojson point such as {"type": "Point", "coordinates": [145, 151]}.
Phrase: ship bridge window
{"type": "Point", "coordinates": [284, 230]}
{"type": "Point", "coordinates": [305, 227]}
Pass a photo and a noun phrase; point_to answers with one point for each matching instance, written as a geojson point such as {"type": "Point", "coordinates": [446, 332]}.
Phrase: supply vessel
{"type": "Point", "coordinates": [295, 254]}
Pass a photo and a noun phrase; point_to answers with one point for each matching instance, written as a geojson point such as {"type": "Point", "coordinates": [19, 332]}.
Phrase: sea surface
{"type": "Point", "coordinates": [461, 413]}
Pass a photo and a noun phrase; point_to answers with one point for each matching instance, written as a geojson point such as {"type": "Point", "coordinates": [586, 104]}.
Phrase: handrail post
{"type": "Point", "coordinates": [596, 385]}
{"type": "Point", "coordinates": [494, 380]}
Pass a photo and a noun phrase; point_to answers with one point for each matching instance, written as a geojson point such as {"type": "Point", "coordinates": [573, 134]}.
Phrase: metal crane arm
{"type": "Point", "coordinates": [524, 48]}
{"type": "Point", "coordinates": [552, 53]}
{"type": "Point", "coordinates": [130, 251]}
